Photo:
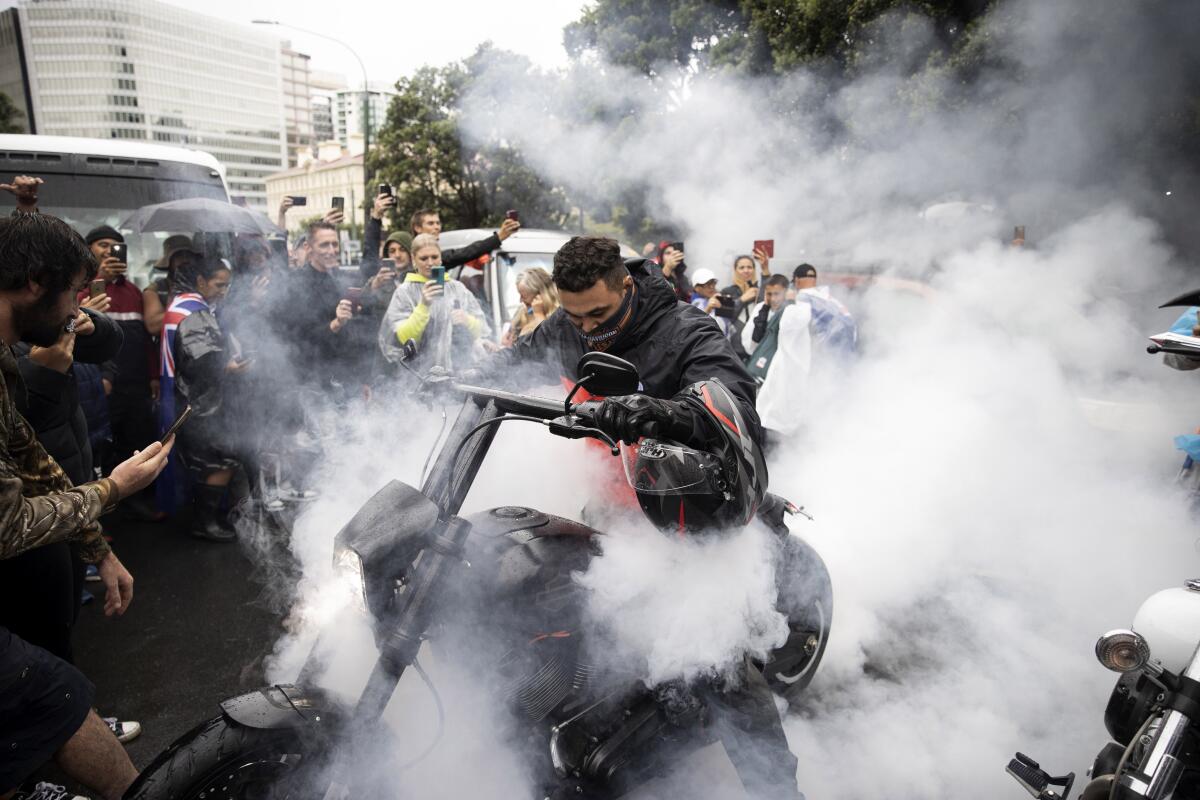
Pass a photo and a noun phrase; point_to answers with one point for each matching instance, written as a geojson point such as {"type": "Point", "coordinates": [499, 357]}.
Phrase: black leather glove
{"type": "Point", "coordinates": [760, 323]}
{"type": "Point", "coordinates": [629, 417]}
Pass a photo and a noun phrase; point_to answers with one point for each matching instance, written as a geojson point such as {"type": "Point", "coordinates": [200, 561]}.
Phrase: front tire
{"type": "Point", "coordinates": [222, 760]}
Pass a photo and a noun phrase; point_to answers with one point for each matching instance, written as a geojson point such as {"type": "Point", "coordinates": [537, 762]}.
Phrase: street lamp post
{"type": "Point", "coordinates": [366, 99]}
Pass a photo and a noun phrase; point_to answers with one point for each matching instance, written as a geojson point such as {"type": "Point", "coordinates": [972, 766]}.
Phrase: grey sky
{"type": "Point", "coordinates": [394, 39]}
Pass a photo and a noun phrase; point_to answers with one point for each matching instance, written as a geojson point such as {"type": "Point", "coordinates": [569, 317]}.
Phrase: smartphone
{"type": "Point", "coordinates": [119, 251]}
{"type": "Point", "coordinates": [354, 294]}
{"type": "Point", "coordinates": [766, 245]}
{"type": "Point", "coordinates": [728, 311]}
{"type": "Point", "coordinates": [385, 189]}
{"type": "Point", "coordinates": [513, 215]}
{"type": "Point", "coordinates": [96, 287]}
{"type": "Point", "coordinates": [299, 201]}
{"type": "Point", "coordinates": [1019, 232]}
{"type": "Point", "coordinates": [439, 275]}
{"type": "Point", "coordinates": [182, 418]}
{"type": "Point", "coordinates": [339, 204]}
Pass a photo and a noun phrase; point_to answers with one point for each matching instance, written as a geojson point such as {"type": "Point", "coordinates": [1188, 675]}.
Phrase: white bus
{"type": "Point", "coordinates": [90, 182]}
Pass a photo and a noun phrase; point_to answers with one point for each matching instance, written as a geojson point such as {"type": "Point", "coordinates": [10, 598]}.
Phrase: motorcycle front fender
{"type": "Point", "coordinates": [282, 706]}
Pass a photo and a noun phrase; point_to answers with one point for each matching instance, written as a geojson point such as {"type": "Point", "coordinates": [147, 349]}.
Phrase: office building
{"type": "Point", "coordinates": [348, 109]}
{"type": "Point", "coordinates": [145, 70]}
{"type": "Point", "coordinates": [297, 102]}
{"type": "Point", "coordinates": [323, 90]}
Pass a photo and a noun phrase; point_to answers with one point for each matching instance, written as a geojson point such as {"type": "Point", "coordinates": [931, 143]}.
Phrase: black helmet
{"type": "Point", "coordinates": [685, 489]}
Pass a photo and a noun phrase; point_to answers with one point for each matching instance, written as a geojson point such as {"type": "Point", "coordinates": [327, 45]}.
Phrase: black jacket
{"type": "Point", "coordinates": [301, 309]}
{"type": "Point", "coordinates": [460, 256]}
{"type": "Point", "coordinates": [372, 234]}
{"type": "Point", "coordinates": [673, 344]}
{"type": "Point", "coordinates": [51, 399]}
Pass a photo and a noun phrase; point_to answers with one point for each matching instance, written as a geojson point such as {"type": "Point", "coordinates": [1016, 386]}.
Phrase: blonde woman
{"type": "Point", "coordinates": [438, 315]}
{"type": "Point", "coordinates": [539, 299]}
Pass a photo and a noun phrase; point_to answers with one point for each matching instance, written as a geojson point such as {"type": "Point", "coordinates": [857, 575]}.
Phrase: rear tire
{"type": "Point", "coordinates": [220, 760]}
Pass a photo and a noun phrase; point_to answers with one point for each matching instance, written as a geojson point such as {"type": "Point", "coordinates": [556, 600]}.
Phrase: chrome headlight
{"type": "Point", "coordinates": [1123, 651]}
{"type": "Point", "coordinates": [349, 568]}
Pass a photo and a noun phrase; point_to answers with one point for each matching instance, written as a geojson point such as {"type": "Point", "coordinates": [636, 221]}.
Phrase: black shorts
{"type": "Point", "coordinates": [43, 702]}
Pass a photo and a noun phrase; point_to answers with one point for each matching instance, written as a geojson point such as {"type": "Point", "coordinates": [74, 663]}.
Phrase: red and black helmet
{"type": "Point", "coordinates": [685, 489]}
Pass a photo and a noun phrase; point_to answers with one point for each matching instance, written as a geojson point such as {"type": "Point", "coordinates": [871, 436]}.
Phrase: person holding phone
{"type": "Point", "coordinates": [674, 269]}
{"type": "Point", "coordinates": [747, 292]}
{"type": "Point", "coordinates": [134, 386]}
{"type": "Point", "coordinates": [429, 221]}
{"type": "Point", "coordinates": [198, 364]}
{"type": "Point", "coordinates": [44, 265]}
{"type": "Point", "coordinates": [325, 345]}
{"type": "Point", "coordinates": [539, 299]}
{"type": "Point", "coordinates": [377, 274]}
{"type": "Point", "coordinates": [438, 315]}
{"type": "Point", "coordinates": [706, 298]}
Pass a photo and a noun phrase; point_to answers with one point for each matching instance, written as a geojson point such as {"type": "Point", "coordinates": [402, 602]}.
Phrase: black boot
{"type": "Point", "coordinates": [208, 521]}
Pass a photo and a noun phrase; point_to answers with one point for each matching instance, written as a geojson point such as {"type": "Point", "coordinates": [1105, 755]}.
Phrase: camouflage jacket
{"type": "Point", "coordinates": [38, 504]}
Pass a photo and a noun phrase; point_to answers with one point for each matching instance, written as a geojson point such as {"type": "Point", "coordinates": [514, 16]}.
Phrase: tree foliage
{"type": "Point", "coordinates": [424, 153]}
{"type": "Point", "coordinates": [10, 116]}
{"type": "Point", "coordinates": [752, 36]}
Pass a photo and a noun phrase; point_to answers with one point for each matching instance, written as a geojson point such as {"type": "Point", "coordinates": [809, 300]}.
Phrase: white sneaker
{"type": "Point", "coordinates": [48, 791]}
{"type": "Point", "coordinates": [124, 731]}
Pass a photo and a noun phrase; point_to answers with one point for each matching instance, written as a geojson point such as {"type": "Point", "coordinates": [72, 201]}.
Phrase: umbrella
{"type": "Point", "coordinates": [198, 214]}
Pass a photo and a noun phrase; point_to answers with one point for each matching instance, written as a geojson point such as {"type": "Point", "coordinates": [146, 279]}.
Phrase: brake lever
{"type": "Point", "coordinates": [568, 427]}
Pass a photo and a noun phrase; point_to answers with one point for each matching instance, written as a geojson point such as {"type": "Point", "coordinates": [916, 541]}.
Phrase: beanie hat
{"type": "Point", "coordinates": [103, 232]}
{"type": "Point", "coordinates": [404, 238]}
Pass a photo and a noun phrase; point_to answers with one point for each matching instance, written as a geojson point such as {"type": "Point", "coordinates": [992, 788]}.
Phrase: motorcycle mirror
{"type": "Point", "coordinates": [606, 375]}
{"type": "Point", "coordinates": [1186, 299]}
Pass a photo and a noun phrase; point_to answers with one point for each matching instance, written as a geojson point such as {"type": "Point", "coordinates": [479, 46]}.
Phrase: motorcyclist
{"type": "Point", "coordinates": [625, 308]}
{"type": "Point", "coordinates": [691, 383]}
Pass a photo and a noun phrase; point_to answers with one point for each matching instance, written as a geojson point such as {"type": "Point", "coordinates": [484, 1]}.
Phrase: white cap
{"type": "Point", "coordinates": [703, 276]}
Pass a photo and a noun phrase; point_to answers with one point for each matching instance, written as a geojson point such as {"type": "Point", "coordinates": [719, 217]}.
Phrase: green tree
{"type": "Point", "coordinates": [424, 153]}
{"type": "Point", "coordinates": [755, 36]}
{"type": "Point", "coordinates": [10, 116]}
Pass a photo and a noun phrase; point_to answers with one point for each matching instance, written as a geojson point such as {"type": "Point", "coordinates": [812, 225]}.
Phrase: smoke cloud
{"type": "Point", "coordinates": [991, 482]}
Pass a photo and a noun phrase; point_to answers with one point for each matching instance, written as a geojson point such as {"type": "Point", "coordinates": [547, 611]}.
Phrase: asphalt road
{"type": "Point", "coordinates": [196, 633]}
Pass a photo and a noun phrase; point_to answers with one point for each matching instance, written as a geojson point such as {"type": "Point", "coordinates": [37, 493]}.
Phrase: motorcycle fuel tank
{"type": "Point", "coordinates": [1170, 622]}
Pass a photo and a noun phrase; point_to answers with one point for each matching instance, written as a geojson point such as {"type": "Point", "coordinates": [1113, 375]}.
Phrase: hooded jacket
{"type": "Point", "coordinates": [438, 341]}
{"type": "Point", "coordinates": [673, 344]}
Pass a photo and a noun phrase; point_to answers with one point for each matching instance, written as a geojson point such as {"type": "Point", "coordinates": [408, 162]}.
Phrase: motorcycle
{"type": "Point", "coordinates": [418, 566]}
{"type": "Point", "coordinates": [1153, 713]}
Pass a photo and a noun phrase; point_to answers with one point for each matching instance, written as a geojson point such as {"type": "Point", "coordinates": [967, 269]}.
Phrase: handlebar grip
{"type": "Point", "coordinates": [587, 411]}
{"type": "Point", "coordinates": [649, 429]}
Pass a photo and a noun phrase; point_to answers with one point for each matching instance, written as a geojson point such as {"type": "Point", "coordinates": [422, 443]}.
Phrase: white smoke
{"type": "Point", "coordinates": [991, 485]}
{"type": "Point", "coordinates": [684, 608]}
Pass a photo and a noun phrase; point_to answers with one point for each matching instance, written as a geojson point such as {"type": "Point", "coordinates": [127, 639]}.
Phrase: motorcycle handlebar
{"type": "Point", "coordinates": [512, 403]}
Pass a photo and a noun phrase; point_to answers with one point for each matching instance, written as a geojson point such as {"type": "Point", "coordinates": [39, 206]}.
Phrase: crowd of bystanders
{"type": "Point", "coordinates": [249, 334]}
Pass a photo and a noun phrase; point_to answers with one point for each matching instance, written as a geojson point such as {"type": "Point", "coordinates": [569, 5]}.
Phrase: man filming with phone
{"type": "Point", "coordinates": [43, 267]}
{"type": "Point", "coordinates": [315, 319]}
{"type": "Point", "coordinates": [134, 385]}
{"type": "Point", "coordinates": [428, 221]}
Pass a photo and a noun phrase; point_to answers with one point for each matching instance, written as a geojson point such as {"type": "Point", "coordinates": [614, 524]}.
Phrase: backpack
{"type": "Point", "coordinates": [760, 359]}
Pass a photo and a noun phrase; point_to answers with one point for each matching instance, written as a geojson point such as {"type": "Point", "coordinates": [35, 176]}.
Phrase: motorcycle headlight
{"type": "Point", "coordinates": [349, 568]}
{"type": "Point", "coordinates": [1123, 651]}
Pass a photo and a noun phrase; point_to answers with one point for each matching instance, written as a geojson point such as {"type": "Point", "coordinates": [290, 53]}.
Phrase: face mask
{"type": "Point", "coordinates": [605, 335]}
